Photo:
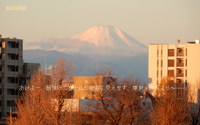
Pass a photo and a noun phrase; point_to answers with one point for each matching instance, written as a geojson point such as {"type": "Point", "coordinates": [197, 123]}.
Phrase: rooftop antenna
{"type": "Point", "coordinates": [183, 33]}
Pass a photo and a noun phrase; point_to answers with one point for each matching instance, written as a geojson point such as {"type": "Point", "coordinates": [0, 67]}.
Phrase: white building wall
{"type": "Point", "coordinates": [193, 68]}
{"type": "Point", "coordinates": [152, 80]}
{"type": "Point", "coordinates": [191, 54]}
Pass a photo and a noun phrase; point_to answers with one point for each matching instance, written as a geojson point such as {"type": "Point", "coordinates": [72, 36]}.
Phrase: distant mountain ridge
{"type": "Point", "coordinates": [105, 42]}
{"type": "Point", "coordinates": [84, 66]}
{"type": "Point", "coordinates": [114, 49]}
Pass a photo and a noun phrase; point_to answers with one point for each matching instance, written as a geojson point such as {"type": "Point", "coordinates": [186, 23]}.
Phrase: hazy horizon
{"type": "Point", "coordinates": [147, 21]}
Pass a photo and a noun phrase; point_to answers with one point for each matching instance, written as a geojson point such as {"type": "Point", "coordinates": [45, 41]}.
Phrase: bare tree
{"type": "Point", "coordinates": [118, 102]}
{"type": "Point", "coordinates": [43, 101]}
{"type": "Point", "coordinates": [171, 104]}
{"type": "Point", "coordinates": [194, 101]}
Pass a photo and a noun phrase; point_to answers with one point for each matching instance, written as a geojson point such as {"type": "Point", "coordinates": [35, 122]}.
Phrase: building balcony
{"type": "Point", "coordinates": [11, 97]}
{"type": "Point", "coordinates": [180, 64]}
{"type": "Point", "coordinates": [12, 62]}
{"type": "Point", "coordinates": [13, 50]}
{"type": "Point", "coordinates": [180, 74]}
{"type": "Point", "coordinates": [180, 54]}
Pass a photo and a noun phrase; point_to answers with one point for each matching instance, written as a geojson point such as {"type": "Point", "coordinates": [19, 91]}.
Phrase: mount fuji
{"type": "Point", "coordinates": [109, 36]}
{"type": "Point", "coordinates": [105, 42]}
{"type": "Point", "coordinates": [113, 47]}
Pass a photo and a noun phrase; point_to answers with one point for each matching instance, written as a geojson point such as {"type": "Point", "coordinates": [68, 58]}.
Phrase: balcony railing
{"type": "Point", "coordinates": [180, 74]}
{"type": "Point", "coordinates": [180, 54]}
{"type": "Point", "coordinates": [180, 64]}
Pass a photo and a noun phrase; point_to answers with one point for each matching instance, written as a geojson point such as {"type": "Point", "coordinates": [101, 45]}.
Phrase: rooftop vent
{"type": "Point", "coordinates": [178, 41]}
{"type": "Point", "coordinates": [197, 41]}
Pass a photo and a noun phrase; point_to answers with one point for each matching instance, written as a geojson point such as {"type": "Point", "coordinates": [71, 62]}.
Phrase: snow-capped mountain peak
{"type": "Point", "coordinates": [110, 36]}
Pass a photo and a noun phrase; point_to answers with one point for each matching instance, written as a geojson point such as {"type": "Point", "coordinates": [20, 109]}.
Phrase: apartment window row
{"type": "Point", "coordinates": [180, 52]}
{"type": "Point", "coordinates": [179, 73]}
{"type": "Point", "coordinates": [10, 92]}
{"type": "Point", "coordinates": [10, 103]}
{"type": "Point", "coordinates": [180, 62]}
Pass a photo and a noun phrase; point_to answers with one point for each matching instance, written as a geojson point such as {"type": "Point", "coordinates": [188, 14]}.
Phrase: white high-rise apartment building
{"type": "Point", "coordinates": [180, 61]}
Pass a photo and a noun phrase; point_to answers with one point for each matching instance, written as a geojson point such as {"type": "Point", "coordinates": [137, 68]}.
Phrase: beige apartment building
{"type": "Point", "coordinates": [179, 61]}
{"type": "Point", "coordinates": [92, 83]}
{"type": "Point", "coordinates": [13, 73]}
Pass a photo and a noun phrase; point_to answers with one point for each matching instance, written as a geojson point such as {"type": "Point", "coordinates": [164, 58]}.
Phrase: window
{"type": "Point", "coordinates": [157, 53]}
{"type": "Point", "coordinates": [170, 52]}
{"type": "Point", "coordinates": [157, 73]}
{"type": "Point", "coordinates": [186, 73]}
{"type": "Point", "coordinates": [186, 83]}
{"type": "Point", "coordinates": [170, 63]}
{"type": "Point", "coordinates": [161, 53]}
{"type": "Point", "coordinates": [13, 56]}
{"type": "Point", "coordinates": [171, 73]}
{"type": "Point", "coordinates": [157, 63]}
{"type": "Point", "coordinates": [180, 72]}
{"type": "Point", "coordinates": [186, 62]}
{"type": "Point", "coordinates": [185, 52]}
{"type": "Point", "coordinates": [180, 51]}
{"type": "Point", "coordinates": [161, 63]}
{"type": "Point", "coordinates": [161, 73]}
{"type": "Point", "coordinates": [11, 103]}
{"type": "Point", "coordinates": [12, 44]}
{"type": "Point", "coordinates": [12, 68]}
{"type": "Point", "coordinates": [12, 80]}
{"type": "Point", "coordinates": [11, 92]}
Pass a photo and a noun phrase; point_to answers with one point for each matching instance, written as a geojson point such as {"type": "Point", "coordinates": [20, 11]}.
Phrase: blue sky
{"type": "Point", "coordinates": [148, 21]}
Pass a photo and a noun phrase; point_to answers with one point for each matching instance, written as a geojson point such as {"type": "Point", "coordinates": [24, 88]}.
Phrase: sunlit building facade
{"type": "Point", "coordinates": [181, 62]}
